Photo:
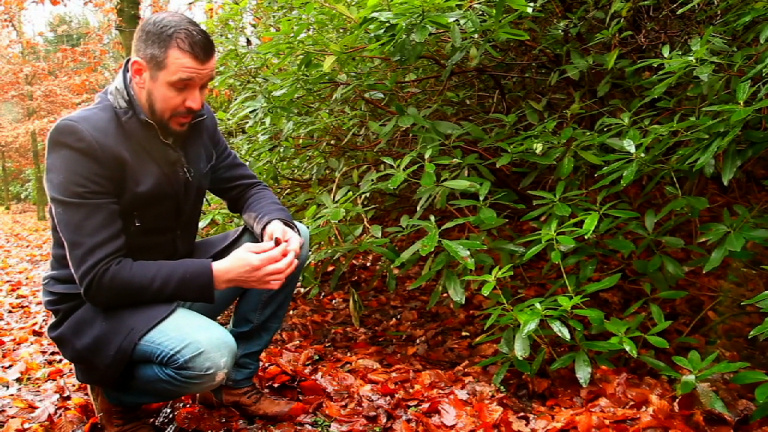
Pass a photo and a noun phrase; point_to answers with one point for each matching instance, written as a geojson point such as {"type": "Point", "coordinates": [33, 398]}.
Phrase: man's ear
{"type": "Point", "coordinates": [139, 72]}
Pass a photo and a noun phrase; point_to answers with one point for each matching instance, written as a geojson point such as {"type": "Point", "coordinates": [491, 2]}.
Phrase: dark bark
{"type": "Point", "coordinates": [127, 21]}
{"type": "Point", "coordinates": [40, 198]}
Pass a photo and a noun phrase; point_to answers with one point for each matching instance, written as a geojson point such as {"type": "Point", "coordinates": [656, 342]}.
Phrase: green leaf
{"type": "Point", "coordinates": [716, 258]}
{"type": "Point", "coordinates": [742, 91]}
{"type": "Point", "coordinates": [397, 179]}
{"type": "Point", "coordinates": [556, 256]}
{"type": "Point", "coordinates": [610, 58]}
{"type": "Point", "coordinates": [672, 294]}
{"type": "Point", "coordinates": [447, 128]}
{"type": "Point", "coordinates": [407, 254]}
{"type": "Point", "coordinates": [629, 174]}
{"type": "Point", "coordinates": [562, 209]}
{"type": "Point", "coordinates": [650, 220]}
{"type": "Point", "coordinates": [459, 252]}
{"type": "Point", "coordinates": [429, 242]}
{"type": "Point", "coordinates": [749, 377]}
{"type": "Point", "coordinates": [590, 157]}
{"type": "Point", "coordinates": [660, 366]}
{"type": "Point", "coordinates": [672, 266]}
{"type": "Point", "coordinates": [455, 287]}
{"type": "Point", "coordinates": [759, 330]}
{"type": "Point", "coordinates": [507, 344]}
{"type": "Point", "coordinates": [533, 251]}
{"type": "Point", "coordinates": [624, 246]}
{"type": "Point", "coordinates": [603, 284]}
{"type": "Point", "coordinates": [328, 63]}
{"type": "Point", "coordinates": [337, 214]}
{"type": "Point", "coordinates": [601, 345]}
{"type": "Point", "coordinates": [460, 184]}
{"type": "Point", "coordinates": [761, 393]}
{"type": "Point", "coordinates": [501, 373]}
{"type": "Point", "coordinates": [710, 399]}
{"type": "Point", "coordinates": [623, 213]}
{"type": "Point", "coordinates": [560, 329]}
{"type": "Point", "coordinates": [565, 167]}
{"type": "Point", "coordinates": [657, 341]}
{"type": "Point", "coordinates": [421, 33]}
{"type": "Point", "coordinates": [590, 313]}
{"type": "Point", "coordinates": [682, 361]}
{"type": "Point", "coordinates": [756, 299]}
{"type": "Point", "coordinates": [742, 113]}
{"type": "Point", "coordinates": [428, 178]}
{"type": "Point", "coordinates": [687, 384]}
{"type": "Point", "coordinates": [563, 361]}
{"type": "Point", "coordinates": [583, 367]}
{"type": "Point", "coordinates": [734, 241]}
{"type": "Point", "coordinates": [629, 346]}
{"type": "Point", "coordinates": [673, 242]}
{"type": "Point", "coordinates": [528, 326]}
{"type": "Point", "coordinates": [590, 223]}
{"type": "Point", "coordinates": [522, 345]}
{"type": "Point", "coordinates": [622, 144]}
{"type": "Point", "coordinates": [487, 215]}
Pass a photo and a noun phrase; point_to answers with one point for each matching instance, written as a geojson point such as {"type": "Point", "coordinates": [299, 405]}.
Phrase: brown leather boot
{"type": "Point", "coordinates": [252, 401]}
{"type": "Point", "coordinates": [117, 418]}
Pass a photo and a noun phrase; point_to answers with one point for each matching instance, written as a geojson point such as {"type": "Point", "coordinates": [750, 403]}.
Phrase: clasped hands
{"type": "Point", "coordinates": [260, 265]}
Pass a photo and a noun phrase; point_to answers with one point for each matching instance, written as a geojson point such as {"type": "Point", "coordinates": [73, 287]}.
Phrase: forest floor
{"type": "Point", "coordinates": [406, 368]}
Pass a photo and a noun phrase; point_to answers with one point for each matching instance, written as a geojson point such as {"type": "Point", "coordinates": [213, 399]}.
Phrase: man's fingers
{"type": "Point", "coordinates": [281, 267]}
{"type": "Point", "coordinates": [258, 247]}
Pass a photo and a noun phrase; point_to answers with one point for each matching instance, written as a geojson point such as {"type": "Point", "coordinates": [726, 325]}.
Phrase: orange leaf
{"type": "Point", "coordinates": [272, 372]}
{"type": "Point", "coordinates": [331, 409]}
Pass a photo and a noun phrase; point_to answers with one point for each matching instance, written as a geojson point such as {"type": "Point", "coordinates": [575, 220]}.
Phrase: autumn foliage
{"type": "Point", "coordinates": [39, 82]}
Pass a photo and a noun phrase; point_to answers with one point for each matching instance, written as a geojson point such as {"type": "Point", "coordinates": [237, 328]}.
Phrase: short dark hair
{"type": "Point", "coordinates": [160, 32]}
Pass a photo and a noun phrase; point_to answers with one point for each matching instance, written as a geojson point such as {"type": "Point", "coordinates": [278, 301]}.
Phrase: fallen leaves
{"type": "Point", "coordinates": [408, 369]}
{"type": "Point", "coordinates": [36, 384]}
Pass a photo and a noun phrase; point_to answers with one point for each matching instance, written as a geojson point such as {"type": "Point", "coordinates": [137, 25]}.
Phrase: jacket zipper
{"type": "Point", "coordinates": [185, 169]}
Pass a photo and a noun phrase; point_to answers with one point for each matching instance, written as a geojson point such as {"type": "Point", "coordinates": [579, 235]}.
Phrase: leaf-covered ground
{"type": "Point", "coordinates": [406, 369]}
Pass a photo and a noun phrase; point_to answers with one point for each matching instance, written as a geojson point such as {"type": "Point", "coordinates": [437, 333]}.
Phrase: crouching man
{"type": "Point", "coordinates": [134, 295]}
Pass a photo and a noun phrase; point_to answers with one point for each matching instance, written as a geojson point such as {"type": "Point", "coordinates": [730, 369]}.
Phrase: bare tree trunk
{"type": "Point", "coordinates": [127, 21]}
{"type": "Point", "coordinates": [40, 198]}
{"type": "Point", "coordinates": [6, 185]}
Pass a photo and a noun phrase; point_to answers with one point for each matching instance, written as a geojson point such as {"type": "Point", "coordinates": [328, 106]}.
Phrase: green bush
{"type": "Point", "coordinates": [421, 131]}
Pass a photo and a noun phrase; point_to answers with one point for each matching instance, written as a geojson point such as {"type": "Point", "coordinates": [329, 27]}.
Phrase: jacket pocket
{"type": "Point", "coordinates": [151, 235]}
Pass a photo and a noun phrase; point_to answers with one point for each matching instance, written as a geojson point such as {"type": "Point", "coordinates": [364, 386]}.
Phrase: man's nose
{"type": "Point", "coordinates": [194, 101]}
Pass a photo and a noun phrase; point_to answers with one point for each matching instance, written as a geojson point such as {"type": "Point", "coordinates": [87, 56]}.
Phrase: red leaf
{"type": "Point", "coordinates": [311, 388]}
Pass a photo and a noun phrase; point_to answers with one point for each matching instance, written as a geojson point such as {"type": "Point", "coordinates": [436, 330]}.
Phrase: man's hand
{"type": "Point", "coordinates": [255, 265]}
{"type": "Point", "coordinates": [277, 229]}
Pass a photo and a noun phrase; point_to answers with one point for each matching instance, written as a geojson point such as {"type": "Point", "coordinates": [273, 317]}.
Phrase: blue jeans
{"type": "Point", "coordinates": [189, 352]}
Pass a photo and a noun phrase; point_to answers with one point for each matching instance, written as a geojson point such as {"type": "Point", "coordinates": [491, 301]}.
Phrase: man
{"type": "Point", "coordinates": [134, 296]}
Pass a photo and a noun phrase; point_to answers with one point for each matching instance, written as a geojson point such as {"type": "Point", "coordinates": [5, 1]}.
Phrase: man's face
{"type": "Point", "coordinates": [173, 96]}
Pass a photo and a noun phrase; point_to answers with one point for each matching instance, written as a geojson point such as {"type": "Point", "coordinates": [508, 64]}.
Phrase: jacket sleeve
{"type": "Point", "coordinates": [241, 189]}
{"type": "Point", "coordinates": [83, 182]}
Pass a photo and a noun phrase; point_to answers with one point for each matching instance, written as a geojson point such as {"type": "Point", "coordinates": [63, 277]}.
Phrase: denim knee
{"type": "Point", "coordinates": [205, 360]}
{"type": "Point", "coordinates": [209, 368]}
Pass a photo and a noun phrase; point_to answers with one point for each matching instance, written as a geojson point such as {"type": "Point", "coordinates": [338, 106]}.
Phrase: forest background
{"type": "Point", "coordinates": [584, 182]}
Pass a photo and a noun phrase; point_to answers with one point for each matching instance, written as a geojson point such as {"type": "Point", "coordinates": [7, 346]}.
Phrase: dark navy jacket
{"type": "Point", "coordinates": [125, 206]}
